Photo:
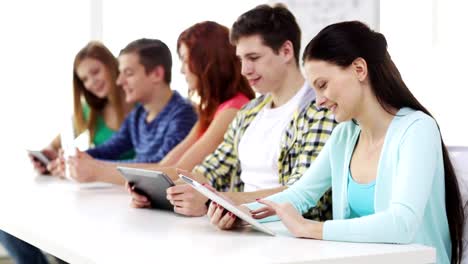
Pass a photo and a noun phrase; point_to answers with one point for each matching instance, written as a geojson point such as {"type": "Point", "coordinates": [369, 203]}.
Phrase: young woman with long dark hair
{"type": "Point", "coordinates": [391, 177]}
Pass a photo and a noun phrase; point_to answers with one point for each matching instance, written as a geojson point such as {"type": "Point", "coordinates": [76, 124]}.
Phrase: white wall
{"type": "Point", "coordinates": [38, 42]}
{"type": "Point", "coordinates": [428, 40]}
{"type": "Point", "coordinates": [165, 20]}
{"type": "Point", "coordinates": [40, 39]}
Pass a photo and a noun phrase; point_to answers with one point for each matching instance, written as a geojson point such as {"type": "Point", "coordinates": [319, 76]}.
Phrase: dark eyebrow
{"type": "Point", "coordinates": [251, 54]}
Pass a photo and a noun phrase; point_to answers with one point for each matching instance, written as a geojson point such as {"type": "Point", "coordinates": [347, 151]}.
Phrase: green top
{"type": "Point", "coordinates": [103, 133]}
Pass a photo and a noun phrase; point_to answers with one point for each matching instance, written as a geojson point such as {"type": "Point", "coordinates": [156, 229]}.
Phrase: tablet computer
{"type": "Point", "coordinates": [150, 183]}
{"type": "Point", "coordinates": [38, 155]}
{"type": "Point", "coordinates": [226, 204]}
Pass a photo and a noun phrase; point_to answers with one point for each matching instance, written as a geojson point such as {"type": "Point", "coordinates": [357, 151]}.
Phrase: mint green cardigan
{"type": "Point", "coordinates": [409, 199]}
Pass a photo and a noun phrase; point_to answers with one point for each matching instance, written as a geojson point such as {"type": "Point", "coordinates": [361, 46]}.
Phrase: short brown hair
{"type": "Point", "coordinates": [151, 53]}
{"type": "Point", "coordinates": [274, 24]}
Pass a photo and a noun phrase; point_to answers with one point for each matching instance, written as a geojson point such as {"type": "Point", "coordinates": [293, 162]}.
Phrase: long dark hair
{"type": "Point", "coordinates": [213, 60]}
{"type": "Point", "coordinates": [344, 42]}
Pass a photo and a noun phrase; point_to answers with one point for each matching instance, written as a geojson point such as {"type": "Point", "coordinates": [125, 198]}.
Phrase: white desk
{"type": "Point", "coordinates": [98, 226]}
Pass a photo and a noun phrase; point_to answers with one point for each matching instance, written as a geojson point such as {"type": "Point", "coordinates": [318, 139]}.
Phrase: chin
{"type": "Point", "coordinates": [260, 90]}
{"type": "Point", "coordinates": [102, 95]}
{"type": "Point", "coordinates": [130, 100]}
{"type": "Point", "coordinates": [340, 118]}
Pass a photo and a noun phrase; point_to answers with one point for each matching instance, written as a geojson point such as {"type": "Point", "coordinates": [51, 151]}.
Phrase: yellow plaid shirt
{"type": "Point", "coordinates": [301, 142]}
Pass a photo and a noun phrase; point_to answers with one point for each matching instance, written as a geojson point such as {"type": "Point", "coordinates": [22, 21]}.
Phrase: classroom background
{"type": "Point", "coordinates": [427, 40]}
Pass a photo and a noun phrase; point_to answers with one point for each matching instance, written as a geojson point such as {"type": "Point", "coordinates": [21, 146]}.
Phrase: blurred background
{"type": "Point", "coordinates": [39, 39]}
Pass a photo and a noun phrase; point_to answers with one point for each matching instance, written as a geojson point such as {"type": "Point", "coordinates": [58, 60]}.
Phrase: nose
{"type": "Point", "coordinates": [119, 80]}
{"type": "Point", "coordinates": [246, 68]}
{"type": "Point", "coordinates": [89, 83]}
{"type": "Point", "coordinates": [94, 81]}
{"type": "Point", "coordinates": [321, 100]}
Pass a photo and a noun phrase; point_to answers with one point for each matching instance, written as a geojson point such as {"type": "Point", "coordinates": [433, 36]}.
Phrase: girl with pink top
{"type": "Point", "coordinates": [213, 74]}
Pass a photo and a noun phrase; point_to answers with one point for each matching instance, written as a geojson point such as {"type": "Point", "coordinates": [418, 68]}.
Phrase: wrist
{"type": "Point", "coordinates": [313, 229]}
{"type": "Point", "coordinates": [199, 210]}
{"type": "Point", "coordinates": [96, 169]}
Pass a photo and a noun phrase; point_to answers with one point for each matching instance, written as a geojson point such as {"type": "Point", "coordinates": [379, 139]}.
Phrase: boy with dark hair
{"type": "Point", "coordinates": [275, 24]}
{"type": "Point", "coordinates": [275, 137]}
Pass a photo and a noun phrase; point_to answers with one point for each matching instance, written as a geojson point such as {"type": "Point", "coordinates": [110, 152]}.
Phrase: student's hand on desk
{"type": "Point", "coordinates": [222, 218]}
{"type": "Point", "coordinates": [291, 218]}
{"type": "Point", "coordinates": [138, 200]}
{"type": "Point", "coordinates": [186, 200]}
{"type": "Point", "coordinates": [82, 167]}
{"type": "Point", "coordinates": [57, 166]}
{"type": "Point", "coordinates": [39, 166]}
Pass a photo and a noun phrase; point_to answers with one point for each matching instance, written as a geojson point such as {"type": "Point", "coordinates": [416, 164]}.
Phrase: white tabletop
{"type": "Point", "coordinates": [97, 225]}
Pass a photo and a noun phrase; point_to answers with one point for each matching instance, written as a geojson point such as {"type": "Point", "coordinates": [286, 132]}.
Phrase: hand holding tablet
{"type": "Point", "coordinates": [40, 157]}
{"type": "Point", "coordinates": [214, 197]}
{"type": "Point", "coordinates": [149, 183]}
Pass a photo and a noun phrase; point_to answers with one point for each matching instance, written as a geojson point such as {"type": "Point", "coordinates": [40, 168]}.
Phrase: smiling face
{"type": "Point", "coordinates": [190, 78]}
{"type": "Point", "coordinates": [264, 69]}
{"type": "Point", "coordinates": [338, 89]}
{"type": "Point", "coordinates": [133, 78]}
{"type": "Point", "coordinates": [95, 77]}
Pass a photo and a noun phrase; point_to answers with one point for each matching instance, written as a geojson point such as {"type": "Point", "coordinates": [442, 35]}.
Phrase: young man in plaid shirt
{"type": "Point", "coordinates": [275, 137]}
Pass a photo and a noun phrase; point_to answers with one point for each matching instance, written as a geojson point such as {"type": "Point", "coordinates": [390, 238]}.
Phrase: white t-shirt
{"type": "Point", "coordinates": [259, 147]}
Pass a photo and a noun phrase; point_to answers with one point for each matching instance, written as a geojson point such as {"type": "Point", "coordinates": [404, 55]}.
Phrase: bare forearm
{"type": "Point", "coordinates": [171, 159]}
{"type": "Point", "coordinates": [174, 156]}
{"type": "Point", "coordinates": [248, 197]}
{"type": "Point", "coordinates": [113, 178]}
{"type": "Point", "coordinates": [107, 171]}
{"type": "Point", "coordinates": [146, 166]}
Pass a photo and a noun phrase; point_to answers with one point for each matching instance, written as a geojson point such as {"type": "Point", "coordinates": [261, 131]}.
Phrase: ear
{"type": "Point", "coordinates": [287, 51]}
{"type": "Point", "coordinates": [360, 68]}
{"type": "Point", "coordinates": [157, 74]}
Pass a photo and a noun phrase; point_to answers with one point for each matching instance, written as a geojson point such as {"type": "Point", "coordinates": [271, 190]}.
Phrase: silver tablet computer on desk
{"type": "Point", "coordinates": [150, 183]}
{"type": "Point", "coordinates": [227, 205]}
